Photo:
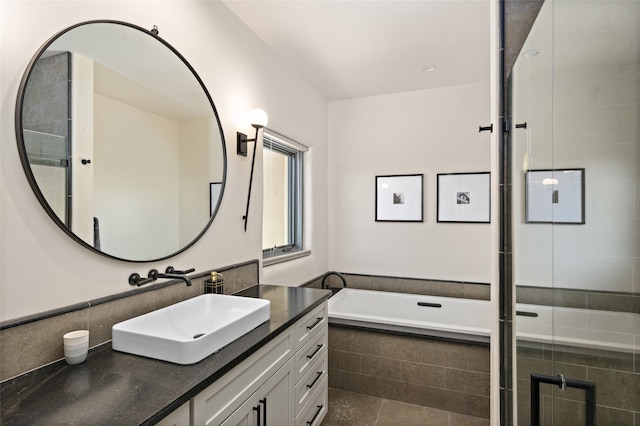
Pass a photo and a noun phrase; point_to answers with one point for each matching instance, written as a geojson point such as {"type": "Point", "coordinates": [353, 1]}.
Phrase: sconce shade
{"type": "Point", "coordinates": [258, 118]}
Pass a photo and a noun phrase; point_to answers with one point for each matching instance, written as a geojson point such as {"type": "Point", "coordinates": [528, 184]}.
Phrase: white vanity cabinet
{"type": "Point", "coordinates": [271, 404]}
{"type": "Point", "coordinates": [279, 385]}
{"type": "Point", "coordinates": [311, 367]}
{"type": "Point", "coordinates": [179, 417]}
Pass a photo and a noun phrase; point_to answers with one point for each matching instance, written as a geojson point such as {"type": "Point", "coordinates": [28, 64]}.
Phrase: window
{"type": "Point", "coordinates": [282, 209]}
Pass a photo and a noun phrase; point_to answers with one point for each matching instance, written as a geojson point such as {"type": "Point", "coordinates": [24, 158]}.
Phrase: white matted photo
{"type": "Point", "coordinates": [399, 198]}
{"type": "Point", "coordinates": [555, 196]}
{"type": "Point", "coordinates": [464, 197]}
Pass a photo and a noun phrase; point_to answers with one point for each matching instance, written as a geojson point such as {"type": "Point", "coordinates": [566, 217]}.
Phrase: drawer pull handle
{"type": "Point", "coordinates": [318, 348]}
{"type": "Point", "coordinates": [430, 305]}
{"type": "Point", "coordinates": [527, 314]}
{"type": "Point", "coordinates": [312, 326]}
{"type": "Point", "coordinates": [319, 374]}
{"type": "Point", "coordinates": [310, 422]}
{"type": "Point", "coordinates": [257, 408]}
{"type": "Point", "coordinates": [264, 413]}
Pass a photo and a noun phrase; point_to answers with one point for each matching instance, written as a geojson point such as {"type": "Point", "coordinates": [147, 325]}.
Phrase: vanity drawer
{"type": "Point", "coordinates": [311, 352]}
{"type": "Point", "coordinates": [218, 401]}
{"type": "Point", "coordinates": [315, 411]}
{"type": "Point", "coordinates": [311, 382]}
{"type": "Point", "coordinates": [309, 325]}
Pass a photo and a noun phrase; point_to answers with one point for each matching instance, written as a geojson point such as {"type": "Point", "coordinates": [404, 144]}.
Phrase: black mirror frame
{"type": "Point", "coordinates": [25, 161]}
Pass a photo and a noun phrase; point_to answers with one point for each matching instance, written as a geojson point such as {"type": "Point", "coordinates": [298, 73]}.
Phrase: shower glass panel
{"type": "Point", "coordinates": [48, 159]}
{"type": "Point", "coordinates": [575, 141]}
{"type": "Point", "coordinates": [46, 121]}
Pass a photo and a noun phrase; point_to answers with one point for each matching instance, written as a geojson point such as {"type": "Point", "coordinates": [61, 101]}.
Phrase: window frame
{"type": "Point", "coordinates": [295, 189]}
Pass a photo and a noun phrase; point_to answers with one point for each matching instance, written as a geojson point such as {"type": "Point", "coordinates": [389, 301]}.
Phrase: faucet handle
{"type": "Point", "coordinates": [137, 280]}
{"type": "Point", "coordinates": [172, 270]}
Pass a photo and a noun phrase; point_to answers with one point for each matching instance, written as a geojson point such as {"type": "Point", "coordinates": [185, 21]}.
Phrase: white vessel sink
{"type": "Point", "coordinates": [189, 331]}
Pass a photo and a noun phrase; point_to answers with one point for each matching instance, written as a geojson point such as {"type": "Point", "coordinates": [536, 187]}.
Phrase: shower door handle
{"type": "Point", "coordinates": [563, 383]}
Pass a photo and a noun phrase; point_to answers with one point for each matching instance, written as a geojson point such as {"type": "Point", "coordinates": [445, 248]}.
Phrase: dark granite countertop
{"type": "Point", "coordinates": [114, 388]}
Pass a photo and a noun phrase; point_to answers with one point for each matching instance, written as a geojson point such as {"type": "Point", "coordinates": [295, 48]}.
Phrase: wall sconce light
{"type": "Point", "coordinates": [258, 119]}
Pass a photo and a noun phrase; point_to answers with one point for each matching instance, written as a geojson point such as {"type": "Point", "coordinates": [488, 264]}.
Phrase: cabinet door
{"type": "Point", "coordinates": [220, 400]}
{"type": "Point", "coordinates": [270, 405]}
{"type": "Point", "coordinates": [278, 397]}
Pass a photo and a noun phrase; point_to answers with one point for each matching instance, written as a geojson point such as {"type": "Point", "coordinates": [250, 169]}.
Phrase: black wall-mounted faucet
{"type": "Point", "coordinates": [170, 272]}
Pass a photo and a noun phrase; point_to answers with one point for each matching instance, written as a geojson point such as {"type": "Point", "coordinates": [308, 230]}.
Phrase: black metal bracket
{"type": "Point", "coordinates": [486, 128]}
{"type": "Point", "coordinates": [241, 144]}
{"type": "Point", "coordinates": [562, 382]}
{"type": "Point", "coordinates": [242, 150]}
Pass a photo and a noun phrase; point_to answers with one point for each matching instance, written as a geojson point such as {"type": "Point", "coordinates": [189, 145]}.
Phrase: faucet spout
{"type": "Point", "coordinates": [327, 286]}
{"type": "Point", "coordinates": [155, 274]}
{"type": "Point", "coordinates": [184, 278]}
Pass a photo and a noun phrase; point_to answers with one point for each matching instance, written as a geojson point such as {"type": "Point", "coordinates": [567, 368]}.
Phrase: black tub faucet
{"type": "Point", "coordinates": [326, 286]}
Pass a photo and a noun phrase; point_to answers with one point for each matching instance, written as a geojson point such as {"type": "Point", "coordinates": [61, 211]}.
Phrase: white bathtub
{"type": "Point", "coordinates": [469, 320]}
{"type": "Point", "coordinates": [459, 319]}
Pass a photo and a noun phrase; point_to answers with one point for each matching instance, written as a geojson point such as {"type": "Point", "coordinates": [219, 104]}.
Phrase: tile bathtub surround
{"type": "Point", "coordinates": [581, 299]}
{"type": "Point", "coordinates": [449, 376]}
{"type": "Point", "coordinates": [616, 376]}
{"type": "Point", "coordinates": [429, 287]}
{"type": "Point", "coordinates": [30, 343]}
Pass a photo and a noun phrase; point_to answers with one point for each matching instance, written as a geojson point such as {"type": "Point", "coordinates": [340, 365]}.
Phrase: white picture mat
{"type": "Point", "coordinates": [477, 188]}
{"type": "Point", "coordinates": [540, 188]}
{"type": "Point", "coordinates": [410, 187]}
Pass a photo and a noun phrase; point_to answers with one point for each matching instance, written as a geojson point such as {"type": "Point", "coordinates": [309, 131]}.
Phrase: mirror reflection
{"type": "Point", "coordinates": [121, 141]}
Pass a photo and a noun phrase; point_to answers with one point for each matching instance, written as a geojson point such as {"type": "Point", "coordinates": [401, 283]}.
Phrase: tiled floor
{"type": "Point", "coordinates": [355, 409]}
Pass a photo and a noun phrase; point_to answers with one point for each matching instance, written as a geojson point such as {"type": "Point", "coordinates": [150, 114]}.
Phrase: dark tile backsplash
{"type": "Point", "coordinates": [29, 343]}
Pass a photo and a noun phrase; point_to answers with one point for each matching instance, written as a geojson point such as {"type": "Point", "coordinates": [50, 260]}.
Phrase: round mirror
{"type": "Point", "coordinates": [121, 141]}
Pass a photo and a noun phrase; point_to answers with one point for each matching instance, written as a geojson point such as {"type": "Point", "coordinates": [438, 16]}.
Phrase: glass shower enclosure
{"type": "Point", "coordinates": [574, 137]}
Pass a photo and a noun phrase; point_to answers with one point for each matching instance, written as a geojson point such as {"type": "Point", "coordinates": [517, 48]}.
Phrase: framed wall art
{"type": "Point", "coordinates": [464, 197]}
{"type": "Point", "coordinates": [555, 196]}
{"type": "Point", "coordinates": [399, 198]}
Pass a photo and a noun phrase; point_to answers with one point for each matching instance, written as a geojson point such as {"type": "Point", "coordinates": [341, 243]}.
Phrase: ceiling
{"type": "Point", "coordinates": [354, 48]}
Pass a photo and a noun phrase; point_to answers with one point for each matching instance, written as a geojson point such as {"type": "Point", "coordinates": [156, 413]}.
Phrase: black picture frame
{"type": "Point", "coordinates": [555, 196]}
{"type": "Point", "coordinates": [464, 197]}
{"type": "Point", "coordinates": [399, 198]}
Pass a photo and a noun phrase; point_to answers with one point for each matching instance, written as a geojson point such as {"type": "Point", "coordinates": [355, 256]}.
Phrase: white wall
{"type": "Point", "coordinates": [129, 143]}
{"type": "Point", "coordinates": [197, 159]}
{"type": "Point", "coordinates": [428, 132]}
{"type": "Point", "coordinates": [41, 268]}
